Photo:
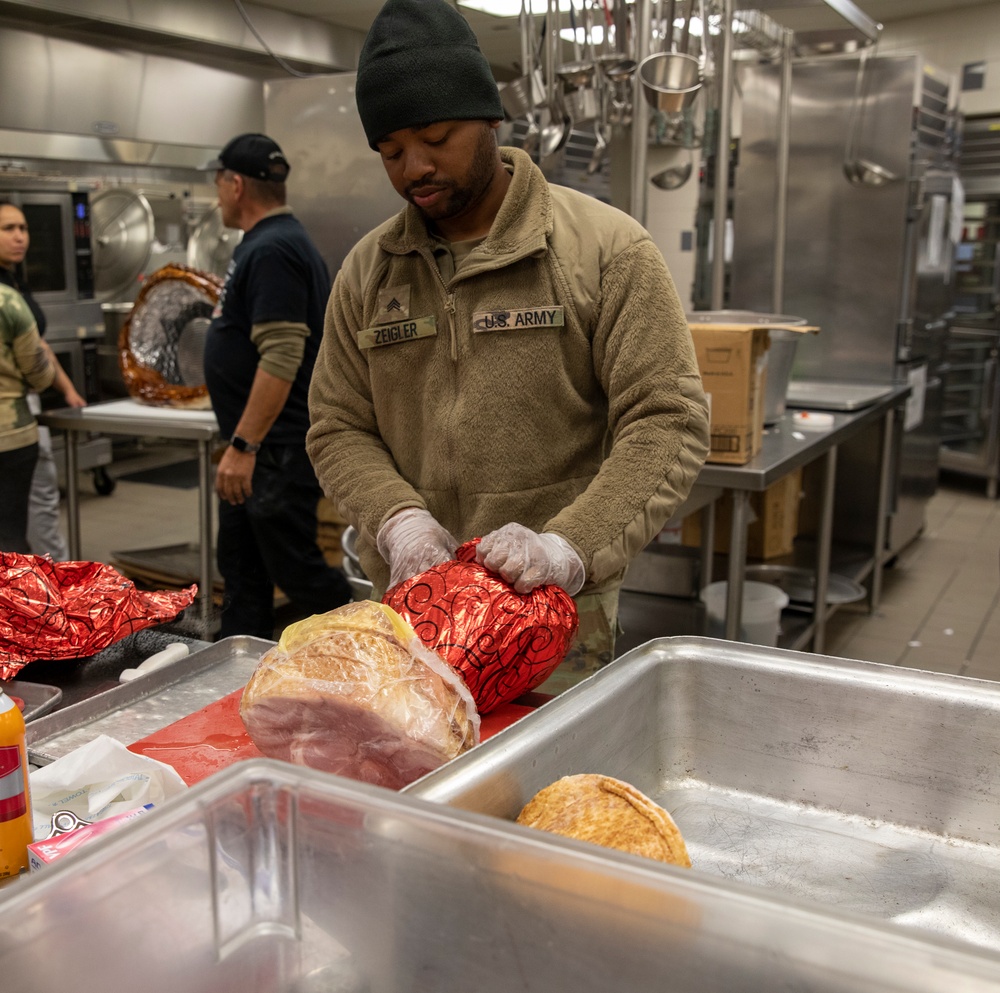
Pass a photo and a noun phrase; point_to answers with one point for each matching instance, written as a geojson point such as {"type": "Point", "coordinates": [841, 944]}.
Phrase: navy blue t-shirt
{"type": "Point", "coordinates": [276, 274]}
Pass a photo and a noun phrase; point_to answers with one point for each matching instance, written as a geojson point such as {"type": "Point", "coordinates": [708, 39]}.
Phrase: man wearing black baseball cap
{"type": "Point", "coordinates": [253, 155]}
{"type": "Point", "coordinates": [259, 357]}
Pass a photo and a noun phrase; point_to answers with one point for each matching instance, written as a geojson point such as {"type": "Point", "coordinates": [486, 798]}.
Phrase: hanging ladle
{"type": "Point", "coordinates": [578, 75]}
{"type": "Point", "coordinates": [601, 122]}
{"type": "Point", "coordinates": [667, 26]}
{"type": "Point", "coordinates": [674, 177]}
{"type": "Point", "coordinates": [671, 80]}
{"type": "Point", "coordinates": [862, 171]}
{"type": "Point", "coordinates": [580, 72]}
{"type": "Point", "coordinates": [555, 133]}
{"type": "Point", "coordinates": [530, 144]}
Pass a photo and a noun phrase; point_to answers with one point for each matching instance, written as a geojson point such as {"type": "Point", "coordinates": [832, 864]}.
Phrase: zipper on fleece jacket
{"type": "Point", "coordinates": [450, 304]}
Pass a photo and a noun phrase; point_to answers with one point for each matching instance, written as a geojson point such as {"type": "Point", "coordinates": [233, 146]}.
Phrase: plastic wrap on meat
{"type": "Point", "coordinates": [355, 692]}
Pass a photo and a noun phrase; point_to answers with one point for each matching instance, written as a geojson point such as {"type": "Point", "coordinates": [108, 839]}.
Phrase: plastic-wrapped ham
{"type": "Point", "coordinates": [355, 692]}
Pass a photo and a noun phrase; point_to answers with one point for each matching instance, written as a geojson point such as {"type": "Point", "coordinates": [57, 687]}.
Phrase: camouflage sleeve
{"type": "Point", "coordinates": [21, 335]}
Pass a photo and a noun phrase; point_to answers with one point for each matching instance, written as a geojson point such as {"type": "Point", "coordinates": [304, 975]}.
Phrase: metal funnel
{"type": "Point", "coordinates": [670, 81]}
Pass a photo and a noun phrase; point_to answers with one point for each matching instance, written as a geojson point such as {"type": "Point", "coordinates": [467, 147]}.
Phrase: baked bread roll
{"type": "Point", "coordinates": [355, 692]}
{"type": "Point", "coordinates": [606, 811]}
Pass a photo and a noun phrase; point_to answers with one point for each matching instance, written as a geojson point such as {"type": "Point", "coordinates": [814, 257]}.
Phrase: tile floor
{"type": "Point", "coordinates": [939, 604]}
{"type": "Point", "coordinates": [938, 610]}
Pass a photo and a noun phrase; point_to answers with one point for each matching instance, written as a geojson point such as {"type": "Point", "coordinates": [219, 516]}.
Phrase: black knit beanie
{"type": "Point", "coordinates": [420, 63]}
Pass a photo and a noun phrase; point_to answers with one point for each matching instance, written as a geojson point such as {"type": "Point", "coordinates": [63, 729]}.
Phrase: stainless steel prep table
{"type": "Point", "coordinates": [127, 417]}
{"type": "Point", "coordinates": [77, 680]}
{"type": "Point", "coordinates": [785, 448]}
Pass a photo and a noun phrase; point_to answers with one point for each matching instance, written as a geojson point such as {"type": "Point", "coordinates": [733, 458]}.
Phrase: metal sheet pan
{"type": "Point", "coordinates": [865, 787]}
{"type": "Point", "coordinates": [800, 584]}
{"type": "Point", "coordinates": [818, 395]}
{"type": "Point", "coordinates": [133, 710]}
{"type": "Point", "coordinates": [39, 698]}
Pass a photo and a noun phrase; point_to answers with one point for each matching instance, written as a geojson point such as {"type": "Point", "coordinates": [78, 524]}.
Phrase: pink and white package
{"type": "Point", "coordinates": [41, 853]}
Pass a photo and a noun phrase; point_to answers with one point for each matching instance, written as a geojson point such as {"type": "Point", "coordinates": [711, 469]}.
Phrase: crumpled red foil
{"type": "Point", "coordinates": [504, 643]}
{"type": "Point", "coordinates": [70, 610]}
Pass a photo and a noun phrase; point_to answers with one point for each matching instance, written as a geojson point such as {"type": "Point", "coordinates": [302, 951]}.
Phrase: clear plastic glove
{"type": "Point", "coordinates": [412, 541]}
{"type": "Point", "coordinates": [527, 559]}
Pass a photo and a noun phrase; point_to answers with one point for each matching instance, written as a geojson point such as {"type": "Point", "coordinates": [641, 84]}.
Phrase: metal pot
{"type": "Point", "coordinates": [780, 359]}
{"type": "Point", "coordinates": [577, 74]}
{"type": "Point", "coordinates": [520, 96]}
{"type": "Point", "coordinates": [744, 317]}
{"type": "Point", "coordinates": [780, 353]}
{"type": "Point", "coordinates": [582, 105]}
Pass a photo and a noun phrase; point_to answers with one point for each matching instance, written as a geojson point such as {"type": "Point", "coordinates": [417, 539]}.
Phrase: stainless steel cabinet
{"type": "Point", "coordinates": [970, 440]}
{"type": "Point", "coordinates": [868, 261]}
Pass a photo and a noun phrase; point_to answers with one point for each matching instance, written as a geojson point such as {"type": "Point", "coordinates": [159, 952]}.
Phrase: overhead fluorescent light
{"type": "Point", "coordinates": [509, 8]}
{"type": "Point", "coordinates": [596, 35]}
{"type": "Point", "coordinates": [512, 8]}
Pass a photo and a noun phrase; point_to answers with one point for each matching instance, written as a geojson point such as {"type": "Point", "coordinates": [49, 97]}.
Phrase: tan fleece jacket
{"type": "Point", "coordinates": [552, 381]}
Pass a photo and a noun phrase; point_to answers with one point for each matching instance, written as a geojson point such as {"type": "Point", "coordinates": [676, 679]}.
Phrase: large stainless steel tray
{"type": "Point", "coordinates": [131, 711]}
{"type": "Point", "coordinates": [865, 787]}
{"type": "Point", "coordinates": [272, 877]}
{"type": "Point", "coordinates": [820, 395]}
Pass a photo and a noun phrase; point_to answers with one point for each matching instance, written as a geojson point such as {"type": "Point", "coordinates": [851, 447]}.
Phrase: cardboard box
{"type": "Point", "coordinates": [772, 531]}
{"type": "Point", "coordinates": [733, 364]}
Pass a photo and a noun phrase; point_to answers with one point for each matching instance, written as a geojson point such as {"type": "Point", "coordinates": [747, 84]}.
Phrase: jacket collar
{"type": "Point", "coordinates": [521, 227]}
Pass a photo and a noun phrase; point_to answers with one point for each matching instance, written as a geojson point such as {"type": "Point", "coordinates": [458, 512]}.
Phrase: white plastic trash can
{"type": "Point", "coordinates": [762, 606]}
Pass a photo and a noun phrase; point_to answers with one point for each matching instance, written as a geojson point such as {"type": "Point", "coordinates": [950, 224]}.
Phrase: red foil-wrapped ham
{"type": "Point", "coordinates": [70, 610]}
{"type": "Point", "coordinates": [504, 643]}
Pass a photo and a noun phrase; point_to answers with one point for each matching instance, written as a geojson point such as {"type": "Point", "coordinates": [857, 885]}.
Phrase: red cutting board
{"type": "Point", "coordinates": [214, 737]}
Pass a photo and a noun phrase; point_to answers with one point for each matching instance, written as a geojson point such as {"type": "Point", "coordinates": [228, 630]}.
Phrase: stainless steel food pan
{"type": "Point", "coordinates": [273, 878]}
{"type": "Point", "coordinates": [869, 788]}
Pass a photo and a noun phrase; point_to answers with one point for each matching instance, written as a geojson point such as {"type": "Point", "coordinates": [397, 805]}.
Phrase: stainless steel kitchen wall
{"type": "Point", "coordinates": [872, 183]}
{"type": "Point", "coordinates": [337, 187]}
{"type": "Point", "coordinates": [845, 264]}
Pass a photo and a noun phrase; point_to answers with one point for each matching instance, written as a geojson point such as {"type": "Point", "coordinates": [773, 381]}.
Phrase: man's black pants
{"type": "Point", "coordinates": [16, 469]}
{"type": "Point", "coordinates": [271, 541]}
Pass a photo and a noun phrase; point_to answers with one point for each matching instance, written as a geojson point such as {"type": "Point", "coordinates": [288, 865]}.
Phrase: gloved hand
{"type": "Point", "coordinates": [412, 541]}
{"type": "Point", "coordinates": [526, 559]}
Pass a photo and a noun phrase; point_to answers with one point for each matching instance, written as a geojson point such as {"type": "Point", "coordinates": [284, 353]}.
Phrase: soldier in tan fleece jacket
{"type": "Point", "coordinates": [504, 358]}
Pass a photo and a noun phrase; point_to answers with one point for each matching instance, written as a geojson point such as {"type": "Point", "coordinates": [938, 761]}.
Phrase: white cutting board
{"type": "Point", "coordinates": [142, 411]}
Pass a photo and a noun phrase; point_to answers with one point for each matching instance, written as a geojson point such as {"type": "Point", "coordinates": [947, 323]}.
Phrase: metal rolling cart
{"type": "Point", "coordinates": [129, 418]}
{"type": "Point", "coordinates": [970, 441]}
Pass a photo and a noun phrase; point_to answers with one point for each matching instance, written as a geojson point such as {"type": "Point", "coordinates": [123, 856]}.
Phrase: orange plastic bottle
{"type": "Point", "coordinates": [16, 830]}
